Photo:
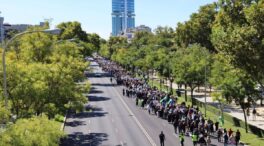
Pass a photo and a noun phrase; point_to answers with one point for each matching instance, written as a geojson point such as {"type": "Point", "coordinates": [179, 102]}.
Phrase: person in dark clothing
{"type": "Point", "coordinates": [216, 126]}
{"type": "Point", "coordinates": [124, 92]}
{"type": "Point", "coordinates": [175, 125]}
{"type": "Point", "coordinates": [162, 138]}
{"type": "Point", "coordinates": [202, 141]}
{"type": "Point", "coordinates": [219, 135]}
{"type": "Point", "coordinates": [237, 137]}
{"type": "Point", "coordinates": [225, 139]}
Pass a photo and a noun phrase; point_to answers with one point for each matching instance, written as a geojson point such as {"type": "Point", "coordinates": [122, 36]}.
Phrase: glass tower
{"type": "Point", "coordinates": [123, 16]}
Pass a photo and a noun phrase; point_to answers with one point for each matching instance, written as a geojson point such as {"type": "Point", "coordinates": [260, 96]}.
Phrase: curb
{"type": "Point", "coordinates": [63, 124]}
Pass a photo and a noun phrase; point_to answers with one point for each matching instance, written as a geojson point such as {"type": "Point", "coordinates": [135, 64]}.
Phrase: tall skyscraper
{"type": "Point", "coordinates": [123, 16]}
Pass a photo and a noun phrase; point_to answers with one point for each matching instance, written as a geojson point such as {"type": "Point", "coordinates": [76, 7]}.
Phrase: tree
{"type": "Point", "coordinates": [198, 29]}
{"type": "Point", "coordinates": [94, 39]}
{"type": "Point", "coordinates": [42, 75]}
{"type": "Point", "coordinates": [238, 33]}
{"type": "Point", "coordinates": [72, 30]}
{"type": "Point", "coordinates": [190, 64]}
{"type": "Point", "coordinates": [234, 84]}
{"type": "Point", "coordinates": [32, 132]}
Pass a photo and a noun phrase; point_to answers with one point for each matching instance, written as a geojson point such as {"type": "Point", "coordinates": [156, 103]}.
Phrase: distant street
{"type": "Point", "coordinates": [115, 120]}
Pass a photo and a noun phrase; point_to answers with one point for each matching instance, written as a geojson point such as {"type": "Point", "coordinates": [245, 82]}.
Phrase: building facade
{"type": "Point", "coordinates": [123, 16]}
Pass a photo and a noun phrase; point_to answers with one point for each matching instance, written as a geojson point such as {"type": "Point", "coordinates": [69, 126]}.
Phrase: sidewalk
{"type": "Point", "coordinates": [231, 109]}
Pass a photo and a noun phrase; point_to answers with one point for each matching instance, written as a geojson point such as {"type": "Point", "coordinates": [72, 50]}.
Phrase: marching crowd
{"type": "Point", "coordinates": [186, 120]}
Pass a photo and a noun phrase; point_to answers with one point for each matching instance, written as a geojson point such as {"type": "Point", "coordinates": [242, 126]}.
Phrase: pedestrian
{"type": "Point", "coordinates": [230, 132]}
{"type": "Point", "coordinates": [175, 125]}
{"type": "Point", "coordinates": [162, 138]}
{"type": "Point", "coordinates": [181, 136]}
{"type": "Point", "coordinates": [254, 112]}
{"type": "Point", "coordinates": [216, 125]}
{"type": "Point", "coordinates": [123, 92]}
{"type": "Point", "coordinates": [225, 139]}
{"type": "Point", "coordinates": [194, 139]}
{"type": "Point", "coordinates": [208, 141]}
{"type": "Point", "coordinates": [237, 137]}
{"type": "Point", "coordinates": [219, 135]}
{"type": "Point", "coordinates": [202, 141]}
{"type": "Point", "coordinates": [248, 113]}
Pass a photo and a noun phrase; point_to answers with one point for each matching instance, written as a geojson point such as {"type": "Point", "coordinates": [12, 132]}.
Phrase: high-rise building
{"type": "Point", "coordinates": [123, 16]}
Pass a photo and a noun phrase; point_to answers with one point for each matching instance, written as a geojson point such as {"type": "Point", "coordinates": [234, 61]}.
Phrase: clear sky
{"type": "Point", "coordinates": [95, 15]}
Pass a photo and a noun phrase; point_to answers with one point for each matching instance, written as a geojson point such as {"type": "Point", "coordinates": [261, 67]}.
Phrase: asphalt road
{"type": "Point", "coordinates": [114, 120]}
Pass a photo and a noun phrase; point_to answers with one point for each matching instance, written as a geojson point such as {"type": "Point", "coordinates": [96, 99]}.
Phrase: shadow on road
{"type": "Point", "coordinates": [89, 114]}
{"type": "Point", "coordinates": [74, 123]}
{"type": "Point", "coordinates": [97, 98]}
{"type": "Point", "coordinates": [104, 85]}
{"type": "Point", "coordinates": [93, 91]}
{"type": "Point", "coordinates": [92, 108]}
{"type": "Point", "coordinates": [80, 139]}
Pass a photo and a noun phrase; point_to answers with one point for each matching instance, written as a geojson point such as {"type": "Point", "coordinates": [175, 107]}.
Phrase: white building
{"type": "Point", "coordinates": [130, 33]}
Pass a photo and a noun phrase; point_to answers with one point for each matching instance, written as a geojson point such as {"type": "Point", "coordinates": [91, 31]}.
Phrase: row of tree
{"type": "Point", "coordinates": [42, 72]}
{"type": "Point", "coordinates": [222, 45]}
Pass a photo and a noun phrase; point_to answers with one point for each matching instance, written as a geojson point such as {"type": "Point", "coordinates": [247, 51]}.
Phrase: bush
{"type": "Point", "coordinates": [59, 118]}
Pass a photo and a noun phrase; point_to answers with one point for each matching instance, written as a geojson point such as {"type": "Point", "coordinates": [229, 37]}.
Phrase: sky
{"type": "Point", "coordinates": [95, 15]}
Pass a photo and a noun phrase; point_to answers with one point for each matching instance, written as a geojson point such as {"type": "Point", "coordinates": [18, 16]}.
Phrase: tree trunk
{"type": "Point", "coordinates": [245, 117]}
{"type": "Point", "coordinates": [198, 88]}
{"type": "Point", "coordinates": [160, 84]}
{"type": "Point", "coordinates": [171, 91]}
{"type": "Point", "coordinates": [192, 95]}
{"type": "Point", "coordinates": [185, 87]}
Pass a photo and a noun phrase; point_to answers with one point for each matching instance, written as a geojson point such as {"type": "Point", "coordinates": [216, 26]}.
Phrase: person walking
{"type": "Point", "coordinates": [225, 139]}
{"type": "Point", "coordinates": [181, 136]}
{"type": "Point", "coordinates": [254, 112]}
{"type": "Point", "coordinates": [162, 138]}
{"type": "Point", "coordinates": [194, 139]}
{"type": "Point", "coordinates": [175, 125]}
{"type": "Point", "coordinates": [208, 141]}
{"type": "Point", "coordinates": [248, 113]}
{"type": "Point", "coordinates": [237, 137]}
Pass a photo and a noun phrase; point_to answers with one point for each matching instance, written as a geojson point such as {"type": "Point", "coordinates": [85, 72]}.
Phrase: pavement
{"type": "Point", "coordinates": [231, 109]}
{"type": "Point", "coordinates": [115, 120]}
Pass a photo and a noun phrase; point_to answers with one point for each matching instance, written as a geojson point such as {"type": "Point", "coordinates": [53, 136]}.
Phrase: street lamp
{"type": "Point", "coordinates": [5, 46]}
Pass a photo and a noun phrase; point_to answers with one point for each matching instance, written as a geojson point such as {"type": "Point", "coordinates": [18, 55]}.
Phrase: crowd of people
{"type": "Point", "coordinates": [187, 120]}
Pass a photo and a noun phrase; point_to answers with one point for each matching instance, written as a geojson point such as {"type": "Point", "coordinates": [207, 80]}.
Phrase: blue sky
{"type": "Point", "coordinates": [95, 15]}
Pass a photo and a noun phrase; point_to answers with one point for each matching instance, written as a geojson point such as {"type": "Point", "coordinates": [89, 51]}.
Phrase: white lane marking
{"type": "Point", "coordinates": [89, 131]}
{"type": "Point", "coordinates": [113, 120]}
{"type": "Point", "coordinates": [136, 120]}
{"type": "Point", "coordinates": [175, 135]}
{"type": "Point", "coordinates": [121, 143]}
{"type": "Point", "coordinates": [89, 122]}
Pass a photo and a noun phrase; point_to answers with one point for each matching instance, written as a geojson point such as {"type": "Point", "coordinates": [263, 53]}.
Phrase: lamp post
{"type": "Point", "coordinates": [5, 46]}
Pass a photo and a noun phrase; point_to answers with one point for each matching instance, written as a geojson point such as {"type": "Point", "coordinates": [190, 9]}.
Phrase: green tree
{"type": "Point", "coordinates": [36, 131]}
{"type": "Point", "coordinates": [72, 30]}
{"type": "Point", "coordinates": [234, 84]}
{"type": "Point", "coordinates": [198, 29]}
{"type": "Point", "coordinates": [238, 33]}
{"type": "Point", "coordinates": [190, 64]}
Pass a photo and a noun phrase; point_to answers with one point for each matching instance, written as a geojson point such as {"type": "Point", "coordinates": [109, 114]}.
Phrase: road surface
{"type": "Point", "coordinates": [114, 120]}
